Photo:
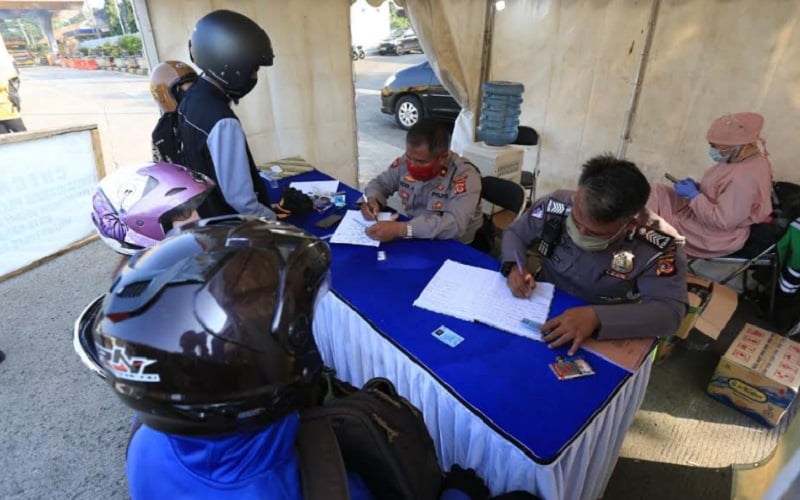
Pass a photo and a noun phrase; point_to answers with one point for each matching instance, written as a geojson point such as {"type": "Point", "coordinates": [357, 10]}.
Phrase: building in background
{"type": "Point", "coordinates": [369, 25]}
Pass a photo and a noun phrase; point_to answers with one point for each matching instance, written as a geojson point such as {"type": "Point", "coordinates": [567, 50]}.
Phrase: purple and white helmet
{"type": "Point", "coordinates": [135, 206]}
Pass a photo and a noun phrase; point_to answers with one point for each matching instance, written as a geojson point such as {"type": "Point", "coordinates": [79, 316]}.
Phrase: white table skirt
{"type": "Point", "coordinates": [351, 345]}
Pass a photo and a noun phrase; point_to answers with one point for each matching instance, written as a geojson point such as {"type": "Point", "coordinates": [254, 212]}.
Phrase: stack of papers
{"type": "Point", "coordinates": [477, 294]}
{"type": "Point", "coordinates": [352, 229]}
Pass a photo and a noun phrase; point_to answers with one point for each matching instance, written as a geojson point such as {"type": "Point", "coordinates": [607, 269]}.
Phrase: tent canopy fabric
{"type": "Point", "coordinates": [580, 63]}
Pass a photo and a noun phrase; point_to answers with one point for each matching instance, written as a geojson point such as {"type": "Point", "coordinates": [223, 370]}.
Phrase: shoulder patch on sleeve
{"type": "Point", "coordinates": [665, 266]}
{"type": "Point", "coordinates": [395, 163]}
{"type": "Point", "coordinates": [654, 237]}
{"type": "Point", "coordinates": [459, 186]}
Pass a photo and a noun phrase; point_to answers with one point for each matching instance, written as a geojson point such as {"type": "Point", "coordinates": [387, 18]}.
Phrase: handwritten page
{"type": "Point", "coordinates": [445, 293]}
{"type": "Point", "coordinates": [628, 354]}
{"type": "Point", "coordinates": [352, 230]}
{"type": "Point", "coordinates": [316, 188]}
{"type": "Point", "coordinates": [487, 299]}
{"type": "Point", "coordinates": [503, 311]}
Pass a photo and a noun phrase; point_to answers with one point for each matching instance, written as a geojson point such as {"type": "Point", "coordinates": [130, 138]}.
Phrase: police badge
{"type": "Point", "coordinates": [622, 261]}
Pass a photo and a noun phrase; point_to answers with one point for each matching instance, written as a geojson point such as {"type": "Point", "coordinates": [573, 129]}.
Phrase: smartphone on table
{"type": "Point", "coordinates": [329, 221]}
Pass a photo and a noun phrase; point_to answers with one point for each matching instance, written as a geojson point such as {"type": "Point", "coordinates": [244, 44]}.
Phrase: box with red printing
{"type": "Point", "coordinates": [758, 375]}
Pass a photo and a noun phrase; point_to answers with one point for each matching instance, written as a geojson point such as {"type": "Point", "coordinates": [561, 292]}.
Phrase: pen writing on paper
{"type": "Point", "coordinates": [520, 267]}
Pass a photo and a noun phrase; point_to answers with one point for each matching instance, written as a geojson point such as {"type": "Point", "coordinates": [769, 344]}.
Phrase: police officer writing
{"type": "Point", "coordinates": [439, 190]}
{"type": "Point", "coordinates": [601, 245]}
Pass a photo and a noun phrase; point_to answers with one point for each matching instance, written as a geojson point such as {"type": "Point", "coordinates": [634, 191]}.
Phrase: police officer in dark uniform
{"type": "Point", "coordinates": [603, 246]}
{"type": "Point", "coordinates": [440, 191]}
{"type": "Point", "coordinates": [230, 48]}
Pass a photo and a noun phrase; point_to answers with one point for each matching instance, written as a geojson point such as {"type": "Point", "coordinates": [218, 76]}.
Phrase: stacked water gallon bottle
{"type": "Point", "coordinates": [500, 112]}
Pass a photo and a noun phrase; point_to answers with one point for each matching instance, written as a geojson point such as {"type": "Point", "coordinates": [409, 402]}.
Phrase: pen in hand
{"type": "Point", "coordinates": [369, 211]}
{"type": "Point", "coordinates": [523, 273]}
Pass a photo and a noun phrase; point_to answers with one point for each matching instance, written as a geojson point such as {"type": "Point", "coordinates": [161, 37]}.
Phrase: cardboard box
{"type": "Point", "coordinates": [711, 306]}
{"type": "Point", "coordinates": [759, 374]}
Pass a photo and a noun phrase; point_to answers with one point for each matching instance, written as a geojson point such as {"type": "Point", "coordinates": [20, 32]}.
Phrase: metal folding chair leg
{"type": "Point", "coordinates": [767, 258]}
{"type": "Point", "coordinates": [747, 265]}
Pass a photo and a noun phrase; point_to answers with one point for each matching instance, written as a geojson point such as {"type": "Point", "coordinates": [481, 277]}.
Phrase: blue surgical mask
{"type": "Point", "coordinates": [718, 157]}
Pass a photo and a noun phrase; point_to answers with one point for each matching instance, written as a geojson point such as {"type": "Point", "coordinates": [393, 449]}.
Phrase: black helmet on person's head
{"type": "Point", "coordinates": [210, 329]}
{"type": "Point", "coordinates": [229, 46]}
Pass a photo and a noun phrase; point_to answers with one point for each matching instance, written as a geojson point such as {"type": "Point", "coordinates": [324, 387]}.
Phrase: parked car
{"type": "Point", "coordinates": [414, 93]}
{"type": "Point", "coordinates": [407, 42]}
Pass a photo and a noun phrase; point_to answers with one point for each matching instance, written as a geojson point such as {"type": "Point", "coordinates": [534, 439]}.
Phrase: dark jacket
{"type": "Point", "coordinates": [214, 144]}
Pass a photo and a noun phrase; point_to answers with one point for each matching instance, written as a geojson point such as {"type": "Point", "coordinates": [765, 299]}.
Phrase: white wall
{"type": "Point", "coordinates": [578, 61]}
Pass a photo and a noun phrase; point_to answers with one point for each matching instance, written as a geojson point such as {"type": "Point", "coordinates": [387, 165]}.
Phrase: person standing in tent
{"type": "Point", "coordinates": [230, 48]}
{"type": "Point", "coordinates": [10, 107]}
{"type": "Point", "coordinates": [168, 82]}
{"type": "Point", "coordinates": [716, 214]}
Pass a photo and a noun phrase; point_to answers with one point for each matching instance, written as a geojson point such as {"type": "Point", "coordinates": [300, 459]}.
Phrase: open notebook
{"type": "Point", "coordinates": [477, 294]}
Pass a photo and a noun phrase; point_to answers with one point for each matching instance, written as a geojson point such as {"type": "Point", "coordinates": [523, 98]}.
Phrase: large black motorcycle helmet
{"type": "Point", "coordinates": [210, 330]}
{"type": "Point", "coordinates": [229, 46]}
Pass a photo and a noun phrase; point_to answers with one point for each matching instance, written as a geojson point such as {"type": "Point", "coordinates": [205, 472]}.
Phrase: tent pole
{"type": "Point", "coordinates": [624, 139]}
{"type": "Point", "coordinates": [486, 59]}
{"type": "Point", "coordinates": [142, 16]}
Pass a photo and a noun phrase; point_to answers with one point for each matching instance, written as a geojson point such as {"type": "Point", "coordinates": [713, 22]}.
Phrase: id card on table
{"type": "Point", "coordinates": [447, 336]}
{"type": "Point", "coordinates": [566, 369]}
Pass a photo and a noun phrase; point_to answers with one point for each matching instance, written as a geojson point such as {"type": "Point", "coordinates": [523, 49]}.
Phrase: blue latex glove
{"type": "Point", "coordinates": [687, 188]}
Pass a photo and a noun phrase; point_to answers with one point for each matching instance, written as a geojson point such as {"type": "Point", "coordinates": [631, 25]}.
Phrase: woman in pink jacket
{"type": "Point", "coordinates": [715, 215]}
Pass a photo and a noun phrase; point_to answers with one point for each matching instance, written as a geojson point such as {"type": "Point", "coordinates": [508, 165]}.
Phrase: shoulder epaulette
{"type": "Point", "coordinates": [655, 237]}
{"type": "Point", "coordinates": [557, 207]}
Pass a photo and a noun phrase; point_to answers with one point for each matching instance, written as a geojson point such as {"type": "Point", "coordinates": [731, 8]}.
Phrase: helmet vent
{"type": "Point", "coordinates": [175, 190]}
{"type": "Point", "coordinates": [134, 289]}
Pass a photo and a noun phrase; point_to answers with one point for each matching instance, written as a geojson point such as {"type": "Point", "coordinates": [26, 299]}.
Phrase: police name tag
{"type": "Point", "coordinates": [447, 336]}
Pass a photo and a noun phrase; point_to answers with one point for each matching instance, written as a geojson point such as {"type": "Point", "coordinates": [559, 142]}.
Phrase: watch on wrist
{"type": "Point", "coordinates": [409, 231]}
{"type": "Point", "coordinates": [505, 268]}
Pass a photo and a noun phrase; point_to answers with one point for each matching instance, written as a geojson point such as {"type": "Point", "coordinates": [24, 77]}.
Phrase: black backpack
{"type": "Point", "coordinates": [786, 200]}
{"type": "Point", "coordinates": [380, 435]}
{"type": "Point", "coordinates": [376, 432]}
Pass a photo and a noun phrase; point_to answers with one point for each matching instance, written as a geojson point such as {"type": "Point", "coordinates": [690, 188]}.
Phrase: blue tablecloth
{"type": "Point", "coordinates": [492, 402]}
{"type": "Point", "coordinates": [506, 377]}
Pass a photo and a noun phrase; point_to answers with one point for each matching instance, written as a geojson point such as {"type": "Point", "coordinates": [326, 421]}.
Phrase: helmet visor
{"type": "Point", "coordinates": [83, 340]}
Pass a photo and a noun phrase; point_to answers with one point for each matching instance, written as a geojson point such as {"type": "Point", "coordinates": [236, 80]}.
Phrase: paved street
{"type": "Point", "coordinates": [380, 139]}
{"type": "Point", "coordinates": [121, 105]}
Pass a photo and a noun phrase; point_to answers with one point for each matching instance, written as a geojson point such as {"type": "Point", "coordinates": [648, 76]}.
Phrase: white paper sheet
{"type": "Point", "coordinates": [352, 230]}
{"type": "Point", "coordinates": [476, 294]}
{"type": "Point", "coordinates": [316, 188]}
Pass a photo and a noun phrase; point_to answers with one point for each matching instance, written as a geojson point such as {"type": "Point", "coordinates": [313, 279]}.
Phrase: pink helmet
{"type": "Point", "coordinates": [135, 206]}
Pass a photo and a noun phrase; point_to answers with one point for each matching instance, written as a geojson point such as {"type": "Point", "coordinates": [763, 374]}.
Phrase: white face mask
{"type": "Point", "coordinates": [589, 243]}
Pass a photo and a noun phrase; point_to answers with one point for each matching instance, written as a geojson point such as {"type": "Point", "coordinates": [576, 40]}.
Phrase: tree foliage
{"type": "Point", "coordinates": [398, 17]}
{"type": "Point", "coordinates": [132, 44]}
{"type": "Point", "coordinates": [120, 17]}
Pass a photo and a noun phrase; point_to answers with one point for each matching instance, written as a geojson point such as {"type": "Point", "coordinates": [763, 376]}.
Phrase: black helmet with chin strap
{"type": "Point", "coordinates": [228, 47]}
{"type": "Point", "coordinates": [210, 330]}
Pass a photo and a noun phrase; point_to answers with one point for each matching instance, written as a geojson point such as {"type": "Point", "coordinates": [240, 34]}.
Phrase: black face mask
{"type": "Point", "coordinates": [239, 93]}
